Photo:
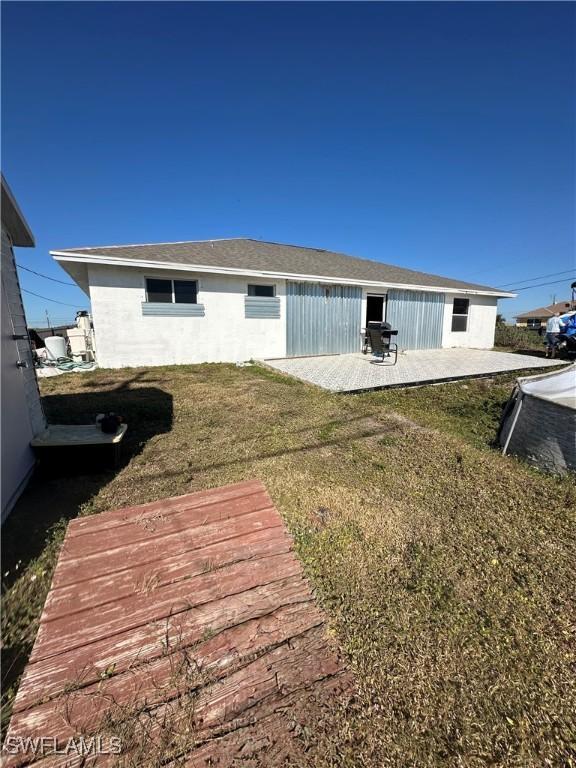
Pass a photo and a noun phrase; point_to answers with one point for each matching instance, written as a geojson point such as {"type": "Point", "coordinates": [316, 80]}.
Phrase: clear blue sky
{"type": "Point", "coordinates": [434, 136]}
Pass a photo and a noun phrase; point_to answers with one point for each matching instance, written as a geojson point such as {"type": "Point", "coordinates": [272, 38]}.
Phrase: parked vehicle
{"type": "Point", "coordinates": [567, 339]}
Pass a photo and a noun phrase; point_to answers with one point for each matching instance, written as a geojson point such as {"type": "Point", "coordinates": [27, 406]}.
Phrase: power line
{"type": "Point", "coordinates": [538, 277]}
{"type": "Point", "coordinates": [47, 299]}
{"type": "Point", "coordinates": [47, 277]}
{"type": "Point", "coordinates": [59, 320]}
{"type": "Point", "coordinates": [540, 285]}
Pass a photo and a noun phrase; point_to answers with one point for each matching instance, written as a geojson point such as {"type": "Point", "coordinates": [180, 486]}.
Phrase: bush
{"type": "Point", "coordinates": [517, 338]}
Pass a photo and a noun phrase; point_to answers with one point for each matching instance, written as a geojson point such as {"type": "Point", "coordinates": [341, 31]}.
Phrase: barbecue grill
{"type": "Point", "coordinates": [378, 339]}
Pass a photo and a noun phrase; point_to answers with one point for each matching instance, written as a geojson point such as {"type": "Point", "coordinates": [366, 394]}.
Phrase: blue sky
{"type": "Point", "coordinates": [437, 136]}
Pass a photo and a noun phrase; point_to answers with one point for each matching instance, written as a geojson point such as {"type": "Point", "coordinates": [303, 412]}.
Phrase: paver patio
{"type": "Point", "coordinates": [358, 372]}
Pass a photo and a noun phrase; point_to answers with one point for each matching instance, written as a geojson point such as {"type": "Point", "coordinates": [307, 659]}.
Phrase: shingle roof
{"type": "Point", "coordinates": [560, 306]}
{"type": "Point", "coordinates": [258, 255]}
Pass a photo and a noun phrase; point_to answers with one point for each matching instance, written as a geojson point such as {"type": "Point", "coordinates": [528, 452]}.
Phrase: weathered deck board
{"type": "Point", "coordinates": [67, 601]}
{"type": "Point", "coordinates": [47, 678]}
{"type": "Point", "coordinates": [179, 519]}
{"type": "Point", "coordinates": [71, 570]}
{"type": "Point", "coordinates": [105, 521]}
{"type": "Point", "coordinates": [187, 628]}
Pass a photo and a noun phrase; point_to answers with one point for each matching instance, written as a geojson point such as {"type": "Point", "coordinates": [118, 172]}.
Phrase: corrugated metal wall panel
{"type": "Point", "coordinates": [261, 307]}
{"type": "Point", "coordinates": [418, 317]}
{"type": "Point", "coordinates": [164, 309]}
{"type": "Point", "coordinates": [322, 319]}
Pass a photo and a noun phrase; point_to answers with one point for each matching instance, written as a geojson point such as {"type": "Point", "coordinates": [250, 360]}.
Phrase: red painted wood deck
{"type": "Point", "coordinates": [184, 628]}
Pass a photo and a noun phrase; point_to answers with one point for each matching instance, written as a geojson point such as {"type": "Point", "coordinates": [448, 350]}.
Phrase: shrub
{"type": "Point", "coordinates": [517, 338]}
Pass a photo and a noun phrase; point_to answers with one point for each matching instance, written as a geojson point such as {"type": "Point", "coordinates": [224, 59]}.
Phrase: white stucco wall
{"type": "Point", "coordinates": [481, 322]}
{"type": "Point", "coordinates": [125, 338]}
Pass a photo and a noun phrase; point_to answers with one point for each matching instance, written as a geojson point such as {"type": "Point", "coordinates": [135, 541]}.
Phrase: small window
{"type": "Point", "coordinates": [159, 290]}
{"type": "Point", "coordinates": [533, 323]}
{"type": "Point", "coordinates": [185, 291]}
{"type": "Point", "coordinates": [262, 290]}
{"type": "Point", "coordinates": [460, 314]}
{"type": "Point", "coordinates": [171, 291]}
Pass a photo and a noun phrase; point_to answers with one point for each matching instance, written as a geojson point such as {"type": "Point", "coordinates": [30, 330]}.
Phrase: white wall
{"type": "Point", "coordinates": [125, 338]}
{"type": "Point", "coordinates": [481, 322]}
{"type": "Point", "coordinates": [22, 415]}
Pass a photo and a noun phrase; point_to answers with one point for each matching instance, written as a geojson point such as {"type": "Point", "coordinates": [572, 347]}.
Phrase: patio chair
{"type": "Point", "coordinates": [379, 337]}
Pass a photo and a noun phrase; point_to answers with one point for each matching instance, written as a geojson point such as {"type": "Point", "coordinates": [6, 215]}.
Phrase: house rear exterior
{"type": "Point", "coordinates": [22, 414]}
{"type": "Point", "coordinates": [239, 299]}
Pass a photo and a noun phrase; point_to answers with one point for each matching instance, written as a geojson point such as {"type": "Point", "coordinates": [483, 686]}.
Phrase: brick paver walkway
{"type": "Point", "coordinates": [357, 372]}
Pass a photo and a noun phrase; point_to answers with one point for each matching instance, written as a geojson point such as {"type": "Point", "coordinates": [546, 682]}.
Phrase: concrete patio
{"type": "Point", "coordinates": [358, 372]}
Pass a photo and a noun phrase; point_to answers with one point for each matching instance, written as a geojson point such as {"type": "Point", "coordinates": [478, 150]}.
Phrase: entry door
{"type": "Point", "coordinates": [418, 317]}
{"type": "Point", "coordinates": [322, 319]}
{"type": "Point", "coordinates": [375, 308]}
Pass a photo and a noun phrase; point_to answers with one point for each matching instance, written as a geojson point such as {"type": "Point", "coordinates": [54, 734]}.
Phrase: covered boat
{"type": "Point", "coordinates": [539, 421]}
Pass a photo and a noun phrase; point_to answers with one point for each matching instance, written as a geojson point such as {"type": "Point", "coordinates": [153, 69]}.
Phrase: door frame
{"type": "Point", "coordinates": [384, 297]}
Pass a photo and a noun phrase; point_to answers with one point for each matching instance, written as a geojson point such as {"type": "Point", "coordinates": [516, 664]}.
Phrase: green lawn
{"type": "Point", "coordinates": [446, 569]}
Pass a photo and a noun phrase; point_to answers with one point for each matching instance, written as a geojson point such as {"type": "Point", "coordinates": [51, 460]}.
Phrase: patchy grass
{"type": "Point", "coordinates": [446, 569]}
{"type": "Point", "coordinates": [469, 409]}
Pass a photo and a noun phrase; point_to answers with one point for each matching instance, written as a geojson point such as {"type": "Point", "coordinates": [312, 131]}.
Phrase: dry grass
{"type": "Point", "coordinates": [447, 570]}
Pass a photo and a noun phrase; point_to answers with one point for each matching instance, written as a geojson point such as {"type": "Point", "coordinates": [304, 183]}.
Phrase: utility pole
{"type": "Point", "coordinates": [47, 319]}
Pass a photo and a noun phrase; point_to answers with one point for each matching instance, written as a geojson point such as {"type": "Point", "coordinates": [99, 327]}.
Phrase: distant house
{"type": "Point", "coordinates": [537, 318]}
{"type": "Point", "coordinates": [22, 415]}
{"type": "Point", "coordinates": [237, 299]}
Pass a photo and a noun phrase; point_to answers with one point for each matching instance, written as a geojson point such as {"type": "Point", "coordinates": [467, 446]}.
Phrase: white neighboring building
{"type": "Point", "coordinates": [22, 415]}
{"type": "Point", "coordinates": [238, 299]}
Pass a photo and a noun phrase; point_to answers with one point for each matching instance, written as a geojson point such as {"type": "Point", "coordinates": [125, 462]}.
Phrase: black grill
{"type": "Point", "coordinates": [378, 339]}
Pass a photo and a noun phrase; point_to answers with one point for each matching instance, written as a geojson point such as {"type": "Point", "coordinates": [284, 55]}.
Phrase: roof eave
{"type": "Point", "coordinates": [64, 256]}
{"type": "Point", "coordinates": [13, 219]}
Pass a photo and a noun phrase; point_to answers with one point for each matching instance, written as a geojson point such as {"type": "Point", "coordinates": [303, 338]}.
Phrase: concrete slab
{"type": "Point", "coordinates": [358, 372]}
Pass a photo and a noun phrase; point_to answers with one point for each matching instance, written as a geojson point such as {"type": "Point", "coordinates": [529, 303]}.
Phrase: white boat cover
{"type": "Point", "coordinates": [539, 422]}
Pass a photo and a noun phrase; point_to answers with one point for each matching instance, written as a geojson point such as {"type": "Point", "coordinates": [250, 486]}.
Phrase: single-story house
{"type": "Point", "coordinates": [239, 299]}
{"type": "Point", "coordinates": [22, 414]}
{"type": "Point", "coordinates": [537, 318]}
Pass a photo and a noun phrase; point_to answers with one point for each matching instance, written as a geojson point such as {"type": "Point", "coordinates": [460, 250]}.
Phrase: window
{"type": "Point", "coordinates": [159, 290]}
{"type": "Point", "coordinates": [533, 323]}
{"type": "Point", "coordinates": [262, 290]}
{"type": "Point", "coordinates": [171, 291]}
{"type": "Point", "coordinates": [460, 314]}
{"type": "Point", "coordinates": [185, 291]}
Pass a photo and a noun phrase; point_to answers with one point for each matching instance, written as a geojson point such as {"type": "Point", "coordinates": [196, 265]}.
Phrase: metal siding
{"type": "Point", "coordinates": [22, 348]}
{"type": "Point", "coordinates": [418, 317]}
{"type": "Point", "coordinates": [261, 307]}
{"type": "Point", "coordinates": [164, 309]}
{"type": "Point", "coordinates": [317, 325]}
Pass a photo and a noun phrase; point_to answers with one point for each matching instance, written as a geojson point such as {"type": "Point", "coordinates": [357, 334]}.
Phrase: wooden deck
{"type": "Point", "coordinates": [184, 628]}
